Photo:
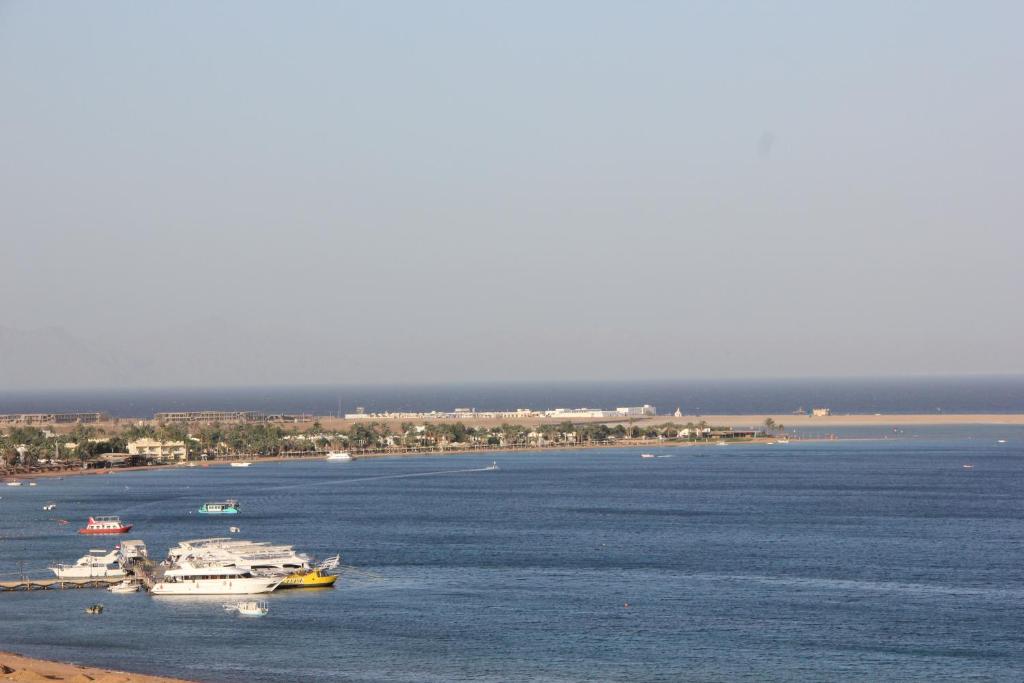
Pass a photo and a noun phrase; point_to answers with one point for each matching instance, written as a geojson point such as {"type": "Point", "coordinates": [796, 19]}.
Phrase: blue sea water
{"type": "Point", "coordinates": [849, 560]}
{"type": "Point", "coordinates": [709, 397]}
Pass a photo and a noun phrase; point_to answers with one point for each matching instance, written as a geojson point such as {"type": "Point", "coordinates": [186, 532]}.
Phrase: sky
{"type": "Point", "coordinates": [245, 193]}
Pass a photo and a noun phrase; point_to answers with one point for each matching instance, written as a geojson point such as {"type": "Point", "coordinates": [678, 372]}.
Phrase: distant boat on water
{"type": "Point", "coordinates": [647, 455]}
{"type": "Point", "coordinates": [249, 608]}
{"type": "Point", "coordinates": [338, 456]}
{"type": "Point", "coordinates": [105, 525]}
{"type": "Point", "coordinates": [228, 507]}
{"type": "Point", "coordinates": [240, 464]}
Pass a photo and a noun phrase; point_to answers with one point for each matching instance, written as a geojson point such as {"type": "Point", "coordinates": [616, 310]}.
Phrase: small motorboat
{"type": "Point", "coordinates": [234, 529]}
{"type": "Point", "coordinates": [14, 482]}
{"type": "Point", "coordinates": [248, 608]}
{"type": "Point", "coordinates": [968, 467]}
{"type": "Point", "coordinates": [94, 609]}
{"type": "Point", "coordinates": [647, 455]}
{"type": "Point", "coordinates": [228, 507]}
{"type": "Point", "coordinates": [50, 506]}
{"type": "Point", "coordinates": [241, 464]}
{"type": "Point", "coordinates": [1001, 441]}
{"type": "Point", "coordinates": [32, 483]}
{"type": "Point", "coordinates": [126, 586]}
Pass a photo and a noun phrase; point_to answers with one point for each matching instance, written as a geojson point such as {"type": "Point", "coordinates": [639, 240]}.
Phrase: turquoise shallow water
{"type": "Point", "coordinates": [852, 560]}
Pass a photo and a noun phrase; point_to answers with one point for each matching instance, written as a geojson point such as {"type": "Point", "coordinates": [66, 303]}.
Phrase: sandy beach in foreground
{"type": "Point", "coordinates": [14, 667]}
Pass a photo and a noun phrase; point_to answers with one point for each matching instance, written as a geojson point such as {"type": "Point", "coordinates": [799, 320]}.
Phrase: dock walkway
{"type": "Point", "coordinates": [30, 584]}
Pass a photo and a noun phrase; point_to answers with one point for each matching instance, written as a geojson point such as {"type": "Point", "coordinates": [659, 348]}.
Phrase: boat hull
{"type": "Point", "coordinates": [99, 532]}
{"type": "Point", "coordinates": [241, 586]}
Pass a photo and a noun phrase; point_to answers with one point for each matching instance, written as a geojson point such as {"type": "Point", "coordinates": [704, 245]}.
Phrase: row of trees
{"type": "Point", "coordinates": [27, 446]}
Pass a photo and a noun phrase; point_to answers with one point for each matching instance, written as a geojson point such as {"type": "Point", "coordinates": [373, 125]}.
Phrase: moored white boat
{"type": "Point", "coordinates": [241, 464]}
{"type": "Point", "coordinates": [200, 578]}
{"type": "Point", "coordinates": [126, 586]}
{"type": "Point", "coordinates": [98, 564]}
{"type": "Point", "coordinates": [255, 556]}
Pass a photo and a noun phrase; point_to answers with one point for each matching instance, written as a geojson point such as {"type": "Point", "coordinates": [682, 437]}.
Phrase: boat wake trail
{"type": "Point", "coordinates": [329, 482]}
{"type": "Point", "coordinates": [134, 509]}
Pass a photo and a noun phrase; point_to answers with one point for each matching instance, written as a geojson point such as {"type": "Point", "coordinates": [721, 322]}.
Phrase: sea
{"type": "Point", "coordinates": [927, 395]}
{"type": "Point", "coordinates": [878, 556]}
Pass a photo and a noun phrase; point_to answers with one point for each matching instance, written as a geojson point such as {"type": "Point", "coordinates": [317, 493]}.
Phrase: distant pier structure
{"type": "Point", "coordinates": [209, 416]}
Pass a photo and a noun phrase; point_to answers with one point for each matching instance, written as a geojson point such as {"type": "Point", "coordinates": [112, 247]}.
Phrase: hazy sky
{"type": "Point", "coordinates": [251, 193]}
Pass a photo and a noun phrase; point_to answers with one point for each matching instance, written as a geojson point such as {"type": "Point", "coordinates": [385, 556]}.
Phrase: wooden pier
{"type": "Point", "coordinates": [29, 584]}
{"type": "Point", "coordinates": [147, 572]}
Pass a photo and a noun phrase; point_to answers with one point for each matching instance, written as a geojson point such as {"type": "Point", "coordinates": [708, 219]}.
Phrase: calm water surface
{"type": "Point", "coordinates": [853, 560]}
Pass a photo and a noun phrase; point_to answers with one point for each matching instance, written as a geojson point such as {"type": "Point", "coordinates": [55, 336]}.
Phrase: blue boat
{"type": "Point", "coordinates": [228, 507]}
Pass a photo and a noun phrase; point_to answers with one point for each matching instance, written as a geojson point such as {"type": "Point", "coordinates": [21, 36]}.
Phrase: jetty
{"type": "Point", "coordinates": [30, 584]}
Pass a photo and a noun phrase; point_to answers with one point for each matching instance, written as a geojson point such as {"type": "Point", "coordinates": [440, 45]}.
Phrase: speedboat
{"type": "Point", "coordinates": [97, 564]}
{"type": "Point", "coordinates": [317, 577]}
{"type": "Point", "coordinates": [338, 456]}
{"type": "Point", "coordinates": [647, 455]}
{"type": "Point", "coordinates": [240, 464]}
{"type": "Point", "coordinates": [228, 507]}
{"type": "Point", "coordinates": [212, 578]}
{"type": "Point", "coordinates": [106, 525]}
{"type": "Point", "coordinates": [248, 608]}
{"type": "Point", "coordinates": [492, 467]}
{"type": "Point", "coordinates": [126, 586]}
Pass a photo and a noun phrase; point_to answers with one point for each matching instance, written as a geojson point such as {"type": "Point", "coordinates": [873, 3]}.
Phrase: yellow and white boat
{"type": "Point", "coordinates": [317, 577]}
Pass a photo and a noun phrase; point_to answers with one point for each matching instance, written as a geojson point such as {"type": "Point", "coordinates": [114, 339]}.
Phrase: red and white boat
{"type": "Point", "coordinates": [105, 525]}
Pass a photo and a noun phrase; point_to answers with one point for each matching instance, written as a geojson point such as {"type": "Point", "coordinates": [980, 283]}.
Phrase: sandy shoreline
{"type": "Point", "coordinates": [14, 667]}
{"type": "Point", "coordinates": [878, 420]}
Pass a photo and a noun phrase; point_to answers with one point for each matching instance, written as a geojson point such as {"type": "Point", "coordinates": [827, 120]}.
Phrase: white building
{"type": "Point", "coordinates": [570, 413]}
{"type": "Point", "coordinates": [637, 411]}
{"type": "Point", "coordinates": [159, 450]}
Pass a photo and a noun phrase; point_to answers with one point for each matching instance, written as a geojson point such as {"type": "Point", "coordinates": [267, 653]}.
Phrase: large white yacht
{"type": "Point", "coordinates": [203, 578]}
{"type": "Point", "coordinates": [254, 556]}
{"type": "Point", "coordinates": [95, 565]}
